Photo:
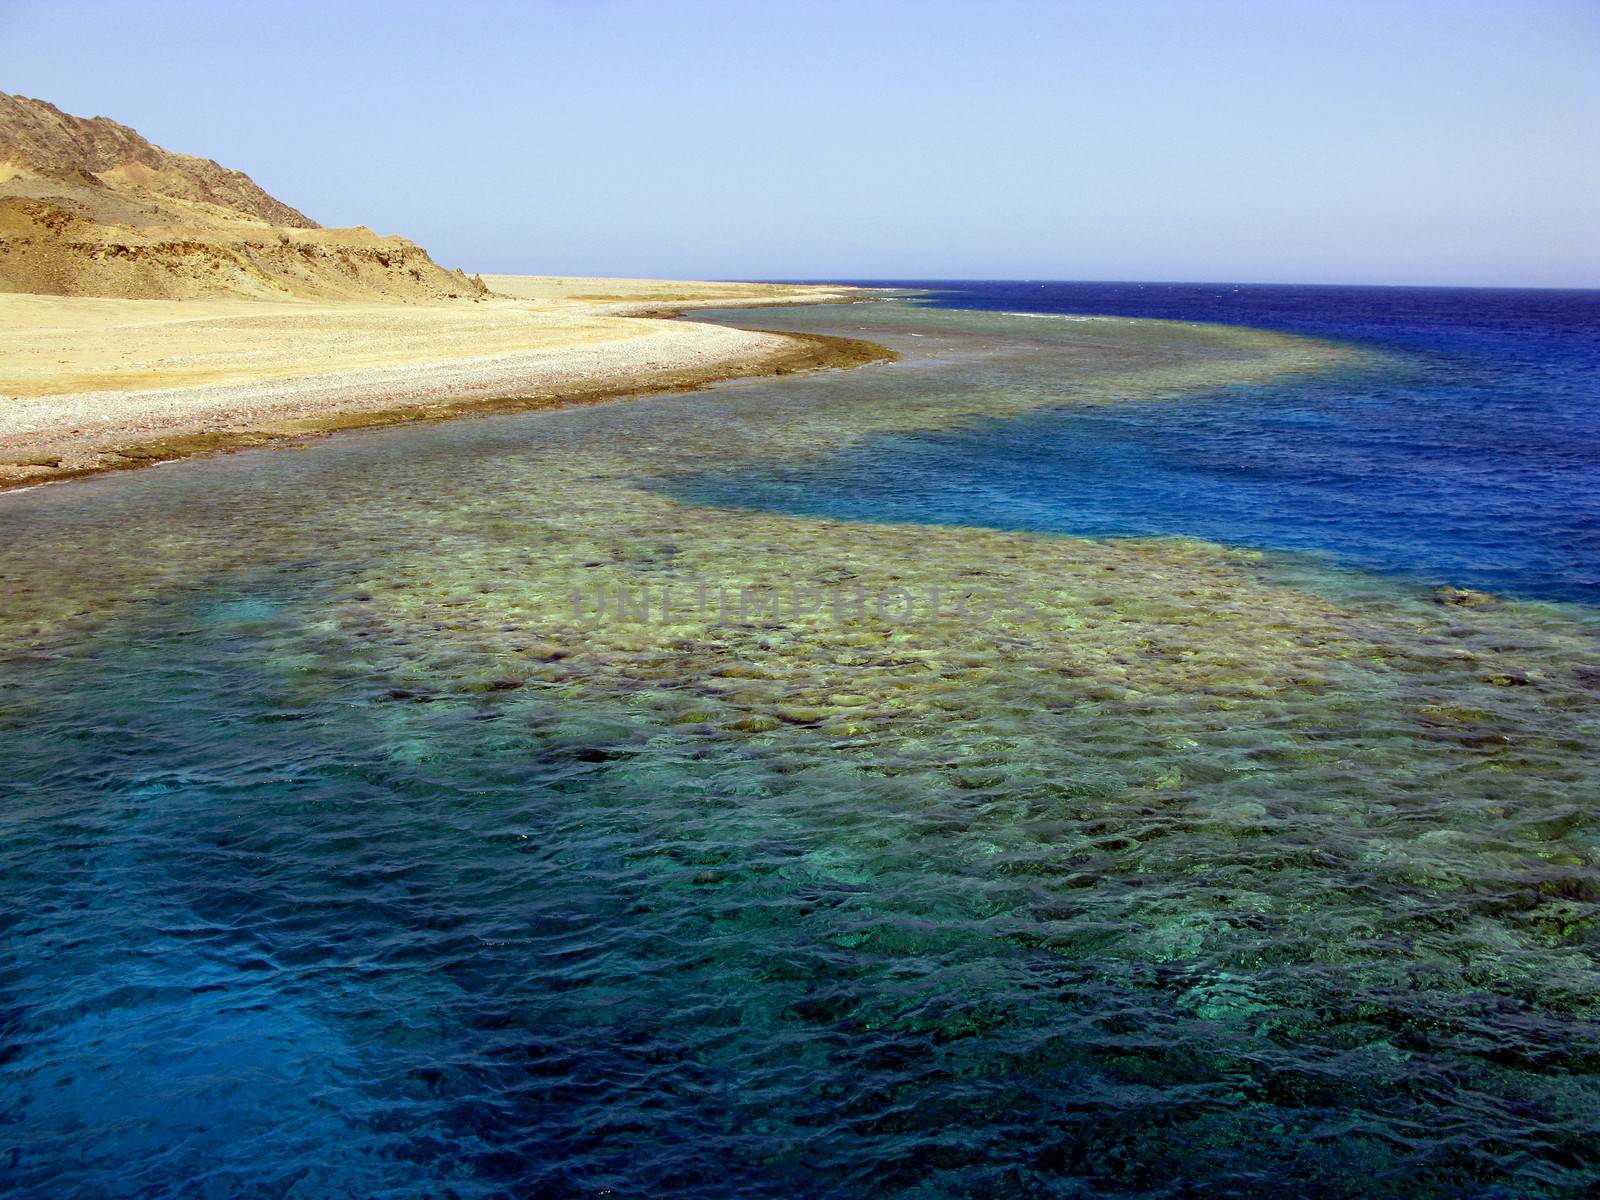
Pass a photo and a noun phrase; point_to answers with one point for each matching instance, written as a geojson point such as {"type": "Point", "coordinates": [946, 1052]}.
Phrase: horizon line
{"type": "Point", "coordinates": [882, 280]}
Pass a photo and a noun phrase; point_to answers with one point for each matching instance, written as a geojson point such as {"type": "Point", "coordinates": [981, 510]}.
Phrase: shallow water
{"type": "Point", "coordinates": [347, 853]}
{"type": "Point", "coordinates": [1462, 447]}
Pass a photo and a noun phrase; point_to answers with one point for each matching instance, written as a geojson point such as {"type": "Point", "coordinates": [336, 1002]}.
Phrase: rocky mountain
{"type": "Point", "coordinates": [88, 207]}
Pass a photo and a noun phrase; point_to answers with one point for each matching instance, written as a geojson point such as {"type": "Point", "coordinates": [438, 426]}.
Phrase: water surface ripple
{"type": "Point", "coordinates": [343, 855]}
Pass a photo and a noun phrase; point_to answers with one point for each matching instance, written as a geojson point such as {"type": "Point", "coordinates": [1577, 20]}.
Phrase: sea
{"type": "Point", "coordinates": [1465, 450]}
{"type": "Point", "coordinates": [388, 815]}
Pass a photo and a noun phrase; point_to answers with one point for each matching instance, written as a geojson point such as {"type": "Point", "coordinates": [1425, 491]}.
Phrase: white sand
{"type": "Point", "coordinates": [84, 380]}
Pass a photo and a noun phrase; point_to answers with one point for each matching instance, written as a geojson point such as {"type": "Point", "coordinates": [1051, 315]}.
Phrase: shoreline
{"type": "Point", "coordinates": [589, 347]}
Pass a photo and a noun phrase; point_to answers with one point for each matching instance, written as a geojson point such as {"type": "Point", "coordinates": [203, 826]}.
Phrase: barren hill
{"type": "Point", "coordinates": [88, 207]}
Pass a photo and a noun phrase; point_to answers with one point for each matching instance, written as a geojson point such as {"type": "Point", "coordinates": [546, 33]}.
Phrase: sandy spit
{"type": "Point", "coordinates": [243, 373]}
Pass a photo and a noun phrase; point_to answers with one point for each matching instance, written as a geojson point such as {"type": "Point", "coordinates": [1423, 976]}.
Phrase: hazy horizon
{"type": "Point", "coordinates": [908, 280]}
{"type": "Point", "coordinates": [1297, 142]}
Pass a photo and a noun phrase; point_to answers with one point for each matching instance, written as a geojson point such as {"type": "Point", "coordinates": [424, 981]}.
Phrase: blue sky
{"type": "Point", "coordinates": [1319, 141]}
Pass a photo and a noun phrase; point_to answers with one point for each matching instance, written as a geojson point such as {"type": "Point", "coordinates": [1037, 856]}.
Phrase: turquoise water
{"type": "Point", "coordinates": [343, 855]}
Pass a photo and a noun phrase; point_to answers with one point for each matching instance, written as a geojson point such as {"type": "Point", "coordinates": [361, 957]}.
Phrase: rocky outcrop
{"type": "Point", "coordinates": [38, 136]}
{"type": "Point", "coordinates": [88, 207]}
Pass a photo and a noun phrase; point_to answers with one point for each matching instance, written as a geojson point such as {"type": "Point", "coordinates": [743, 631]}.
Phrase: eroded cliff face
{"type": "Point", "coordinates": [88, 207]}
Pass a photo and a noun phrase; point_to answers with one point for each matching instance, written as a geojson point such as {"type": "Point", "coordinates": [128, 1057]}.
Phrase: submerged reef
{"type": "Point", "coordinates": [605, 839]}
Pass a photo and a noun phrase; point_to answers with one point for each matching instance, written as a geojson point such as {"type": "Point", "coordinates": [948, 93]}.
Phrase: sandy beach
{"type": "Point", "coordinates": [91, 384]}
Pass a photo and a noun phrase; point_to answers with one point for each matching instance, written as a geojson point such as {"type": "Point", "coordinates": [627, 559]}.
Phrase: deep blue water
{"type": "Point", "coordinates": [1467, 451]}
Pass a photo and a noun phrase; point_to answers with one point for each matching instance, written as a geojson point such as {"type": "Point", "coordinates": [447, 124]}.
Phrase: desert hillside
{"type": "Point", "coordinates": [88, 207]}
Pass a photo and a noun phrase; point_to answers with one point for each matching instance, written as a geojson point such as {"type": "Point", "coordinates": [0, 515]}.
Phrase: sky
{"type": "Point", "coordinates": [1451, 142]}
